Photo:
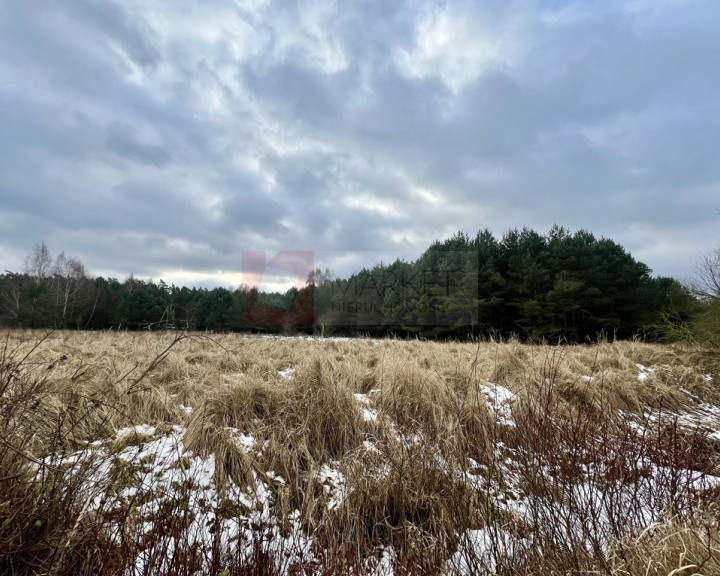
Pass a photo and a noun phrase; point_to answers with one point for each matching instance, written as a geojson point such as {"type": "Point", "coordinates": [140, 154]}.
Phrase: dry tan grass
{"type": "Point", "coordinates": [669, 548]}
{"type": "Point", "coordinates": [296, 398]}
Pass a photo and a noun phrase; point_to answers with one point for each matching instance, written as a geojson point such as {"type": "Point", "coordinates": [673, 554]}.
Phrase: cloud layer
{"type": "Point", "coordinates": [163, 139]}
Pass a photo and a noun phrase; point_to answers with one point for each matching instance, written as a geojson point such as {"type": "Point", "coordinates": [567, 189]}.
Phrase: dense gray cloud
{"type": "Point", "coordinates": [163, 139]}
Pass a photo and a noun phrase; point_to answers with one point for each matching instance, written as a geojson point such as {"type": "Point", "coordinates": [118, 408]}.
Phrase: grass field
{"type": "Point", "coordinates": [164, 453]}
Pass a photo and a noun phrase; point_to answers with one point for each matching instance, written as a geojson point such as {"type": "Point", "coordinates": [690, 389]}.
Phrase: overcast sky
{"type": "Point", "coordinates": [164, 138]}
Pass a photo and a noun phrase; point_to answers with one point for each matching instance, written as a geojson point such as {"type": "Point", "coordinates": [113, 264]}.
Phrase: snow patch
{"type": "Point", "coordinates": [162, 473]}
{"type": "Point", "coordinates": [499, 400]}
{"type": "Point", "coordinates": [481, 549]}
{"type": "Point", "coordinates": [140, 430]}
{"type": "Point", "coordinates": [384, 566]}
{"type": "Point", "coordinates": [317, 338]}
{"type": "Point", "coordinates": [275, 477]}
{"type": "Point", "coordinates": [244, 441]}
{"type": "Point", "coordinates": [333, 482]}
{"type": "Point", "coordinates": [644, 372]}
{"type": "Point", "coordinates": [287, 373]}
{"type": "Point", "coordinates": [369, 414]}
{"type": "Point", "coordinates": [370, 447]}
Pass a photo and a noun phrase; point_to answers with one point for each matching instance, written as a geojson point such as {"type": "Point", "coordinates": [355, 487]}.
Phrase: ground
{"type": "Point", "coordinates": [174, 453]}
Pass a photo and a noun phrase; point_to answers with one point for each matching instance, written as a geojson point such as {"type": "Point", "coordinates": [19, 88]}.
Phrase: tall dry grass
{"type": "Point", "coordinates": [586, 479]}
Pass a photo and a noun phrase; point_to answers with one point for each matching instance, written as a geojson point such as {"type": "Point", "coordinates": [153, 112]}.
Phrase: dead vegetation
{"type": "Point", "coordinates": [404, 456]}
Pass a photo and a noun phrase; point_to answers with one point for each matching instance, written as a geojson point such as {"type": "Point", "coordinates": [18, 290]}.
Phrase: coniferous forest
{"type": "Point", "coordinates": [561, 285]}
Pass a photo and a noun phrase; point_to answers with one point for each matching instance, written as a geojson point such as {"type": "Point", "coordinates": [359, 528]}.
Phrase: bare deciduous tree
{"type": "Point", "coordinates": [705, 283]}
{"type": "Point", "coordinates": [322, 280]}
{"type": "Point", "coordinates": [69, 275]}
{"type": "Point", "coordinates": [38, 263]}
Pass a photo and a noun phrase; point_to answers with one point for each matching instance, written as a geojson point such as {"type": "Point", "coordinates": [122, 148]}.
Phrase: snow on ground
{"type": "Point", "coordinates": [160, 472]}
{"type": "Point", "coordinates": [362, 398]}
{"type": "Point", "coordinates": [696, 416]}
{"type": "Point", "coordinates": [480, 550]}
{"type": "Point", "coordinates": [333, 482]}
{"type": "Point", "coordinates": [644, 372]}
{"type": "Point", "coordinates": [140, 430]}
{"type": "Point", "coordinates": [704, 417]}
{"type": "Point", "coordinates": [317, 338]}
{"type": "Point", "coordinates": [369, 414]}
{"type": "Point", "coordinates": [287, 373]}
{"type": "Point", "coordinates": [243, 441]}
{"type": "Point", "coordinates": [499, 400]}
{"type": "Point", "coordinates": [370, 447]}
{"type": "Point", "coordinates": [385, 566]}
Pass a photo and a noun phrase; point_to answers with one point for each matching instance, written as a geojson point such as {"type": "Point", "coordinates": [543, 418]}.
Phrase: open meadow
{"type": "Point", "coordinates": [166, 453]}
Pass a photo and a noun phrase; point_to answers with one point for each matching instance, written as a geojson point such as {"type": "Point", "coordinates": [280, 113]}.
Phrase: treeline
{"type": "Point", "coordinates": [58, 293]}
{"type": "Point", "coordinates": [561, 284]}
{"type": "Point", "coordinates": [102, 303]}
